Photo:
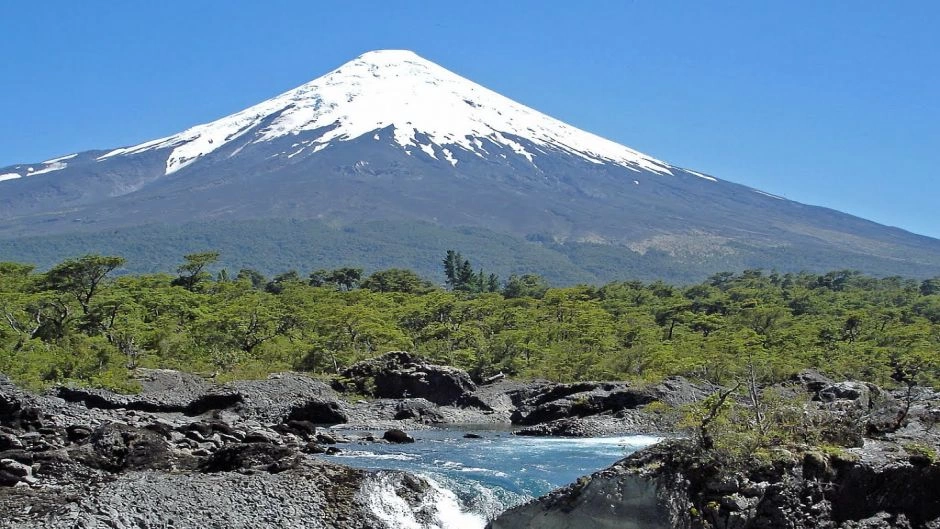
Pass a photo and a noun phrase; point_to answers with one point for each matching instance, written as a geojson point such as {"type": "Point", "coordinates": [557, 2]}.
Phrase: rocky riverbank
{"type": "Point", "coordinates": [187, 452]}
{"type": "Point", "coordinates": [889, 480]}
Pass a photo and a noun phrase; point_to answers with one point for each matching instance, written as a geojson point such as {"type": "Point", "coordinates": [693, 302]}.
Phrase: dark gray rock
{"type": "Point", "coordinates": [420, 410]}
{"type": "Point", "coordinates": [318, 410]}
{"type": "Point", "coordinates": [116, 447]}
{"type": "Point", "coordinates": [397, 436]}
{"type": "Point", "coordinates": [581, 399]}
{"type": "Point", "coordinates": [812, 381]}
{"type": "Point", "coordinates": [676, 485]}
{"type": "Point", "coordinates": [399, 374]}
{"type": "Point", "coordinates": [256, 456]}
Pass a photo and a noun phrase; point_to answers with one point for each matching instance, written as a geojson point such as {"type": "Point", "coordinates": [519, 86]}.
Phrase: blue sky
{"type": "Point", "coordinates": [833, 103]}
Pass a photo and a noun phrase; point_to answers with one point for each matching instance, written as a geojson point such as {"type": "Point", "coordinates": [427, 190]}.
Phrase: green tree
{"type": "Point", "coordinates": [525, 286]}
{"type": "Point", "coordinates": [397, 280]}
{"type": "Point", "coordinates": [82, 277]}
{"type": "Point", "coordinates": [193, 270]}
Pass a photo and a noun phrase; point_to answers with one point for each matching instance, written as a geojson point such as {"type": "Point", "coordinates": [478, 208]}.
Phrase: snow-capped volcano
{"type": "Point", "coordinates": [391, 154]}
{"type": "Point", "coordinates": [429, 107]}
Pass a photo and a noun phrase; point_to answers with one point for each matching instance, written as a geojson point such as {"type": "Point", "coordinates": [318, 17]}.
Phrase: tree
{"type": "Point", "coordinates": [930, 286]}
{"type": "Point", "coordinates": [345, 278]}
{"type": "Point", "coordinates": [318, 278]}
{"type": "Point", "coordinates": [458, 272]}
{"type": "Point", "coordinates": [253, 276]}
{"type": "Point", "coordinates": [397, 280]}
{"type": "Point", "coordinates": [276, 285]}
{"type": "Point", "coordinates": [451, 266]}
{"type": "Point", "coordinates": [192, 272]}
{"type": "Point", "coordinates": [82, 277]}
{"type": "Point", "coordinates": [525, 286]}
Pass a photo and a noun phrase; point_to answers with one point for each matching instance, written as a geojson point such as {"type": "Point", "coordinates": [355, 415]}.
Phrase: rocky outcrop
{"type": "Point", "coordinates": [400, 375]}
{"type": "Point", "coordinates": [282, 396]}
{"type": "Point", "coordinates": [675, 485]}
{"type": "Point", "coordinates": [599, 408]}
{"type": "Point", "coordinates": [879, 479]}
{"type": "Point", "coordinates": [129, 461]}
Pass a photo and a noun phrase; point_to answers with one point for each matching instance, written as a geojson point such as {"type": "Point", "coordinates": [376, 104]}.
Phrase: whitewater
{"type": "Point", "coordinates": [473, 480]}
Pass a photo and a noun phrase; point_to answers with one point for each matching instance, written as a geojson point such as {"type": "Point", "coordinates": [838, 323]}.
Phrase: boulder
{"type": "Point", "coordinates": [318, 410]}
{"type": "Point", "coordinates": [562, 401]}
{"type": "Point", "coordinates": [420, 410]}
{"type": "Point", "coordinates": [115, 447]}
{"type": "Point", "coordinates": [397, 436]}
{"type": "Point", "coordinates": [288, 396]}
{"type": "Point", "coordinates": [13, 472]}
{"type": "Point", "coordinates": [399, 375]}
{"type": "Point", "coordinates": [251, 456]}
{"type": "Point", "coordinates": [812, 381]}
{"type": "Point", "coordinates": [858, 392]}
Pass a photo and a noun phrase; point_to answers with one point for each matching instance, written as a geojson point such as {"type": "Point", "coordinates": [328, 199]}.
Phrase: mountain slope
{"type": "Point", "coordinates": [392, 137]}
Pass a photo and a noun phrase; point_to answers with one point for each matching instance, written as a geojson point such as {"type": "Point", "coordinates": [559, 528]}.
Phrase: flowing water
{"type": "Point", "coordinates": [476, 479]}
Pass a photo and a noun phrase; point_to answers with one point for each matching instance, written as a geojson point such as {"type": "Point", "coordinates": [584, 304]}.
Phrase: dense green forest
{"type": "Point", "coordinates": [83, 322]}
{"type": "Point", "coordinates": [274, 245]}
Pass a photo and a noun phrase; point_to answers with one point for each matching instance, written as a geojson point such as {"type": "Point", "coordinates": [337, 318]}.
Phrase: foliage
{"type": "Point", "coordinates": [75, 323]}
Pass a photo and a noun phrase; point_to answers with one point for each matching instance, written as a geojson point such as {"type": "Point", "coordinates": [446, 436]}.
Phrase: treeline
{"type": "Point", "coordinates": [81, 322]}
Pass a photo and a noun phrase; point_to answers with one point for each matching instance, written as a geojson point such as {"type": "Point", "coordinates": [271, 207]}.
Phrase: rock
{"type": "Point", "coordinates": [9, 442]}
{"type": "Point", "coordinates": [397, 436]}
{"type": "Point", "coordinates": [313, 448]}
{"type": "Point", "coordinates": [305, 428]}
{"type": "Point", "coordinates": [582, 399]}
{"type": "Point", "coordinates": [420, 410]}
{"type": "Point", "coordinates": [848, 390]}
{"type": "Point", "coordinates": [469, 435]}
{"type": "Point", "coordinates": [77, 433]}
{"type": "Point", "coordinates": [13, 473]}
{"type": "Point", "coordinates": [162, 390]}
{"type": "Point", "coordinates": [399, 374]}
{"type": "Point", "coordinates": [326, 439]}
{"type": "Point", "coordinates": [678, 391]}
{"type": "Point", "coordinates": [674, 484]}
{"type": "Point", "coordinates": [318, 411]}
{"type": "Point", "coordinates": [812, 381]}
{"type": "Point", "coordinates": [257, 456]}
{"type": "Point", "coordinates": [116, 447]}
{"type": "Point", "coordinates": [259, 436]}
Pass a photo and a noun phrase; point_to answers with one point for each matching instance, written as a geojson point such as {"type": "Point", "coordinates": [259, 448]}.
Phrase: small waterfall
{"type": "Point", "coordinates": [402, 501]}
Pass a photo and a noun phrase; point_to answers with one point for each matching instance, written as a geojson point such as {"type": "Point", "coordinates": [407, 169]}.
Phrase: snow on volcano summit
{"type": "Point", "coordinates": [417, 98]}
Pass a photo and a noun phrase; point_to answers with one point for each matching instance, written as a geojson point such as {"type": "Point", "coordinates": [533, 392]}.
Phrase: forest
{"type": "Point", "coordinates": [85, 322]}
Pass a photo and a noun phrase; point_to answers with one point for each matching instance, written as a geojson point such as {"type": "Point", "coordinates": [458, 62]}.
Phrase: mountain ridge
{"type": "Point", "coordinates": [392, 137]}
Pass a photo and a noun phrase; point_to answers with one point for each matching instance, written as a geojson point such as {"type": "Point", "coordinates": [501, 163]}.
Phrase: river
{"type": "Point", "coordinates": [476, 479]}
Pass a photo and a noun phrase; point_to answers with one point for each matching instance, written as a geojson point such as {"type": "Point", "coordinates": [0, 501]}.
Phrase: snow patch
{"type": "Point", "coordinates": [429, 149]}
{"type": "Point", "coordinates": [449, 156]}
{"type": "Point", "coordinates": [9, 176]}
{"type": "Point", "coordinates": [759, 192]}
{"type": "Point", "coordinates": [54, 166]}
{"type": "Point", "coordinates": [60, 159]}
{"type": "Point", "coordinates": [700, 175]}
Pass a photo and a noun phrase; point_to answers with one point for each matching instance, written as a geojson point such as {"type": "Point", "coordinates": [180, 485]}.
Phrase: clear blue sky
{"type": "Point", "coordinates": [834, 103]}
